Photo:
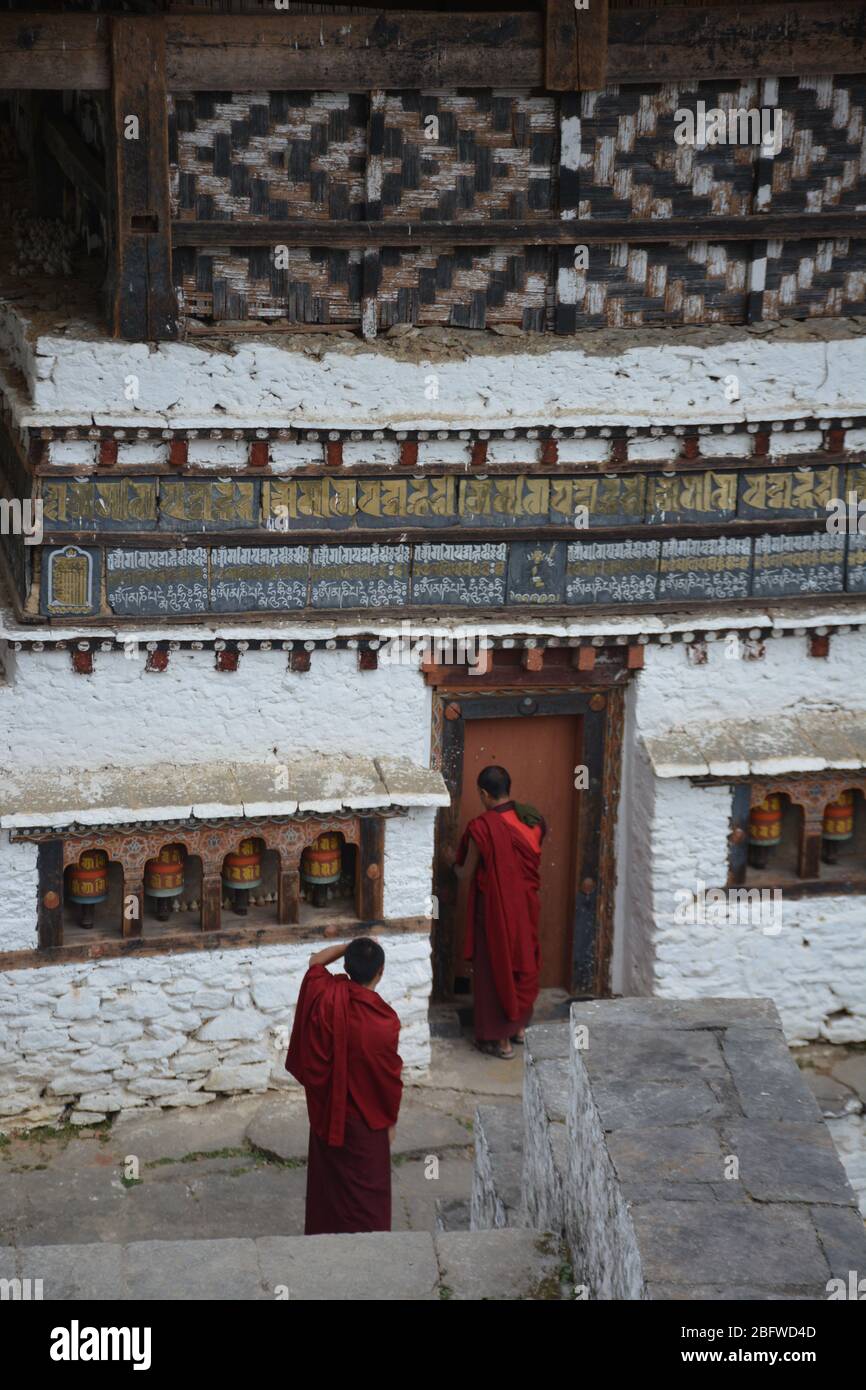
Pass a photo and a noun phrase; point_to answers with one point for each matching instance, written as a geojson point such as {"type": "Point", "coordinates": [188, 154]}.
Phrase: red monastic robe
{"type": "Point", "coordinates": [502, 920]}
{"type": "Point", "coordinates": [343, 1050]}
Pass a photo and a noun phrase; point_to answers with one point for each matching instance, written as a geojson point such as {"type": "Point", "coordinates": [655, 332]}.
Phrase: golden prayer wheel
{"type": "Point", "coordinates": [242, 872]}
{"type": "Point", "coordinates": [88, 883]}
{"type": "Point", "coordinates": [838, 825]}
{"type": "Point", "coordinates": [163, 878]}
{"type": "Point", "coordinates": [765, 829]}
{"type": "Point", "coordinates": [321, 864]}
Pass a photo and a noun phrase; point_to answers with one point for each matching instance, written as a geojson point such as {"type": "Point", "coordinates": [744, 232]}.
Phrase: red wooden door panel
{"type": "Point", "coordinates": [541, 753]}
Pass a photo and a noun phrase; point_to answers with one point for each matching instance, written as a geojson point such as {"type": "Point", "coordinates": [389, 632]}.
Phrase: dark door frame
{"type": "Point", "coordinates": [594, 879]}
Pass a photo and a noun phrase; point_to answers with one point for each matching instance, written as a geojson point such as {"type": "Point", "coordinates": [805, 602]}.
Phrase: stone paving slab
{"type": "Point", "coordinates": [174, 1134]}
{"type": "Point", "coordinates": [843, 1238]}
{"type": "Point", "coordinates": [728, 1245]}
{"type": "Point", "coordinates": [377, 1266]}
{"type": "Point", "coordinates": [496, 1189]}
{"type": "Point", "coordinates": [461, 1067]}
{"type": "Point", "coordinates": [499, 1265]}
{"type": "Point", "coordinates": [74, 1271]}
{"type": "Point", "coordinates": [834, 1098]}
{"type": "Point", "coordinates": [282, 1131]}
{"type": "Point", "coordinates": [643, 1104]}
{"type": "Point", "coordinates": [788, 1162]}
{"type": "Point", "coordinates": [279, 1129]}
{"type": "Point", "coordinates": [415, 1197]}
{"type": "Point", "coordinates": [381, 1266]}
{"type": "Point", "coordinates": [182, 1270]}
{"type": "Point", "coordinates": [852, 1072]}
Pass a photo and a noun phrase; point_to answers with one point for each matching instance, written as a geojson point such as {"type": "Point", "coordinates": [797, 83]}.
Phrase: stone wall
{"type": "Point", "coordinates": [698, 1163]}
{"type": "Point", "coordinates": [84, 1041]}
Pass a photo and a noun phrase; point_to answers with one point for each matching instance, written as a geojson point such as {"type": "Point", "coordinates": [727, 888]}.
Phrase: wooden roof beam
{"type": "Point", "coordinates": [396, 48]}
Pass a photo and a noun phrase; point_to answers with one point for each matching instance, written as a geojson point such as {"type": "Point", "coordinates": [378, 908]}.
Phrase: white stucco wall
{"type": "Point", "coordinates": [123, 715]}
{"type": "Point", "coordinates": [673, 375]}
{"type": "Point", "coordinates": [675, 837]}
{"type": "Point", "coordinates": [175, 1030]}
{"type": "Point", "coordinates": [408, 869]}
{"type": "Point", "coordinates": [671, 691]}
{"type": "Point", "coordinates": [18, 893]}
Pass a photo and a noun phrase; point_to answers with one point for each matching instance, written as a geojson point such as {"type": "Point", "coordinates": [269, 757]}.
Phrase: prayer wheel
{"type": "Point", "coordinates": [765, 830]}
{"type": "Point", "coordinates": [837, 826]}
{"type": "Point", "coordinates": [88, 883]}
{"type": "Point", "coordinates": [163, 879]}
{"type": "Point", "coordinates": [321, 864]}
{"type": "Point", "coordinates": [242, 872]}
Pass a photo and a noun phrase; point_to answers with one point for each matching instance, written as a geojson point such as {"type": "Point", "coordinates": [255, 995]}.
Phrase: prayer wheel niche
{"type": "Point", "coordinates": [88, 884]}
{"type": "Point", "coordinates": [163, 879]}
{"type": "Point", "coordinates": [838, 826]}
{"type": "Point", "coordinates": [242, 872]}
{"type": "Point", "coordinates": [765, 830]}
{"type": "Point", "coordinates": [321, 865]}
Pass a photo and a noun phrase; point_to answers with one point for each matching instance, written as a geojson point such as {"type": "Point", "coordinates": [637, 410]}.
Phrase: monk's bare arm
{"type": "Point", "coordinates": [329, 955]}
{"type": "Point", "coordinates": [470, 863]}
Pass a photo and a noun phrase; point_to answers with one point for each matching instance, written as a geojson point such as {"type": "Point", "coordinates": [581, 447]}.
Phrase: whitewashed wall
{"type": "Point", "coordinates": [182, 1028]}
{"type": "Point", "coordinates": [673, 377]}
{"type": "Point", "coordinates": [19, 886]}
{"type": "Point", "coordinates": [675, 835]}
{"type": "Point", "coordinates": [175, 1030]}
{"type": "Point", "coordinates": [123, 715]}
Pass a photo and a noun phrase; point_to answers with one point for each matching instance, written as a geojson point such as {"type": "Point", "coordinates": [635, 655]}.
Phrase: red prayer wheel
{"type": "Point", "coordinates": [243, 867]}
{"type": "Point", "coordinates": [321, 864]}
{"type": "Point", "coordinates": [765, 823]}
{"type": "Point", "coordinates": [839, 817]}
{"type": "Point", "coordinates": [242, 872]}
{"type": "Point", "coordinates": [88, 883]}
{"type": "Point", "coordinates": [163, 878]}
{"type": "Point", "coordinates": [837, 825]}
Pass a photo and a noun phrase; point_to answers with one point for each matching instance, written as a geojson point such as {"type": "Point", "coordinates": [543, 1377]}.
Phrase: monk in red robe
{"type": "Point", "coordinates": [500, 855]}
{"type": "Point", "coordinates": [343, 1050]}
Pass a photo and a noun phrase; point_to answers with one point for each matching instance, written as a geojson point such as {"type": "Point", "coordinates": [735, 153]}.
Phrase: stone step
{"type": "Point", "coordinates": [382, 1266]}
{"type": "Point", "coordinates": [497, 1175]}
{"type": "Point", "coordinates": [545, 1106]}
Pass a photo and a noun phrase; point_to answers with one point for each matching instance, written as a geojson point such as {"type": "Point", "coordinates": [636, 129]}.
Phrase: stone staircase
{"type": "Point", "coordinates": [513, 1264]}
{"type": "Point", "coordinates": [676, 1151]}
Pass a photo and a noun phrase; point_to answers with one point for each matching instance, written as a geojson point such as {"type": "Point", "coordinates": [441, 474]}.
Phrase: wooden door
{"type": "Point", "coordinates": [541, 754]}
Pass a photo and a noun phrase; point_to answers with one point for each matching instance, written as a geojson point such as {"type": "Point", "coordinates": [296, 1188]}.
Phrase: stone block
{"type": "Point", "coordinates": [75, 1272]}
{"type": "Point", "coordinates": [375, 1267]}
{"type": "Point", "coordinates": [518, 1266]}
{"type": "Point", "coordinates": [496, 1181]}
{"type": "Point", "coordinates": [233, 1025]}
{"type": "Point", "coordinates": [193, 1270]}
